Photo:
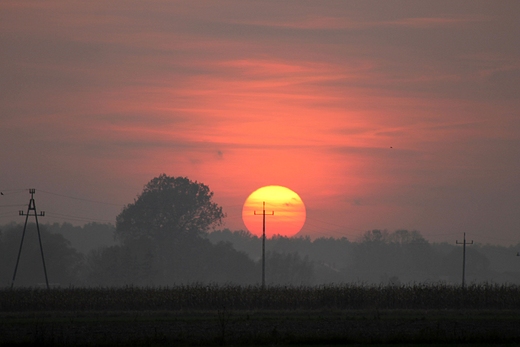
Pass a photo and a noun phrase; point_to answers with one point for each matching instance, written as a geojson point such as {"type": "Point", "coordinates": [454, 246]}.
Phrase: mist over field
{"type": "Point", "coordinates": [90, 256]}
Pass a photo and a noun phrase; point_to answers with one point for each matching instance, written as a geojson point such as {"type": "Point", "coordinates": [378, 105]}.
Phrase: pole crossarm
{"type": "Point", "coordinates": [263, 214]}
{"type": "Point", "coordinates": [31, 207]}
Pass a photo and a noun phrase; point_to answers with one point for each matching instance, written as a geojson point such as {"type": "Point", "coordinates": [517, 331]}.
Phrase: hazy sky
{"type": "Point", "coordinates": [379, 114]}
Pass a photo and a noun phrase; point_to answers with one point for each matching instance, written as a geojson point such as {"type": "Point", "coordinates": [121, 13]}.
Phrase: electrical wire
{"type": "Point", "coordinates": [80, 199]}
{"type": "Point", "coordinates": [78, 218]}
{"type": "Point", "coordinates": [8, 213]}
{"type": "Point", "coordinates": [312, 225]}
{"type": "Point", "coordinates": [7, 192]}
{"type": "Point", "coordinates": [12, 191]}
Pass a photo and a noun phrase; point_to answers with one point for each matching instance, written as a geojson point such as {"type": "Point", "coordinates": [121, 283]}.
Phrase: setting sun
{"type": "Point", "coordinates": [284, 209]}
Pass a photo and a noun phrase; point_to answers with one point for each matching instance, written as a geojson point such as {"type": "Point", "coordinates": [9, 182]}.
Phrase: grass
{"type": "Point", "coordinates": [235, 315]}
{"type": "Point", "coordinates": [209, 297]}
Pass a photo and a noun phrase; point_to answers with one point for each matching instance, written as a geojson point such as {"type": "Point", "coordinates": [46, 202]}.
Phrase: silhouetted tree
{"type": "Point", "coordinates": [168, 221]}
{"type": "Point", "coordinates": [403, 237]}
{"type": "Point", "coordinates": [169, 208]}
{"type": "Point", "coordinates": [375, 236]}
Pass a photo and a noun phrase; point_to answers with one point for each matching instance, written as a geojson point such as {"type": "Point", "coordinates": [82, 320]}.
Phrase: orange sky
{"type": "Point", "coordinates": [379, 114]}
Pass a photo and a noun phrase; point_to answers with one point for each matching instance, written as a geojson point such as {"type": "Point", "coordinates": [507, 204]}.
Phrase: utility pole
{"type": "Point", "coordinates": [464, 243]}
{"type": "Point", "coordinates": [263, 241]}
{"type": "Point", "coordinates": [31, 207]}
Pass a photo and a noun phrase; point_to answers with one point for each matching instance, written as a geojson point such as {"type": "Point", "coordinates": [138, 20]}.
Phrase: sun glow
{"type": "Point", "coordinates": [284, 211]}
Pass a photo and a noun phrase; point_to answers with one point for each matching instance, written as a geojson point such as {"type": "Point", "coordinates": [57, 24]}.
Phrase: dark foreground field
{"type": "Point", "coordinates": [212, 315]}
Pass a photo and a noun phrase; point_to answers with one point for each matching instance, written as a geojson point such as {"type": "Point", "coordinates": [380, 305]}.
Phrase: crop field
{"type": "Point", "coordinates": [245, 316]}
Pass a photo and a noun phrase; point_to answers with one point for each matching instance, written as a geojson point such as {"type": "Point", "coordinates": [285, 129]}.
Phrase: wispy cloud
{"type": "Point", "coordinates": [366, 109]}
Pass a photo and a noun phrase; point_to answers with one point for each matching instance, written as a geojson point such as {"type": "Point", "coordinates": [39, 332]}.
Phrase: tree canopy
{"type": "Point", "coordinates": [169, 208]}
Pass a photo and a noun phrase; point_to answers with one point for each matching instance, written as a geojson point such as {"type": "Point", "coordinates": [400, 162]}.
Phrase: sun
{"type": "Point", "coordinates": [284, 212]}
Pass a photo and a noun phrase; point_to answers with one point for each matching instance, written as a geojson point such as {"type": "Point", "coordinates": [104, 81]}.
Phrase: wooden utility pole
{"type": "Point", "coordinates": [464, 243]}
{"type": "Point", "coordinates": [263, 241]}
{"type": "Point", "coordinates": [31, 207]}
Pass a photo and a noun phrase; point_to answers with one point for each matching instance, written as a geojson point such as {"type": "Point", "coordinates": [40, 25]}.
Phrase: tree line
{"type": "Point", "coordinates": [169, 235]}
{"type": "Point", "coordinates": [383, 257]}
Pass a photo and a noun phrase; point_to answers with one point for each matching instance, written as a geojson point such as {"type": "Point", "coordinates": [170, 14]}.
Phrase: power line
{"type": "Point", "coordinates": [322, 230]}
{"type": "Point", "coordinates": [336, 225]}
{"type": "Point", "coordinates": [7, 213]}
{"type": "Point", "coordinates": [486, 237]}
{"type": "Point", "coordinates": [7, 192]}
{"type": "Point", "coordinates": [11, 191]}
{"type": "Point", "coordinates": [15, 191]}
{"type": "Point", "coordinates": [81, 199]}
{"type": "Point", "coordinates": [314, 228]}
{"type": "Point", "coordinates": [310, 225]}
{"type": "Point", "coordinates": [78, 218]}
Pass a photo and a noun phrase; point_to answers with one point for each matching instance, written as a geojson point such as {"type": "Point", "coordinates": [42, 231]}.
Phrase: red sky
{"type": "Point", "coordinates": [379, 114]}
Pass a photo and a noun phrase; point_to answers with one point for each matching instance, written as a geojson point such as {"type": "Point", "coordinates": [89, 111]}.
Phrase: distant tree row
{"type": "Point", "coordinates": [167, 236]}
{"type": "Point", "coordinates": [383, 257]}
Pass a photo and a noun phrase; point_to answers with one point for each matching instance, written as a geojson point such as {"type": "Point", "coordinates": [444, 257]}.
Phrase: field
{"type": "Point", "coordinates": [235, 315]}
